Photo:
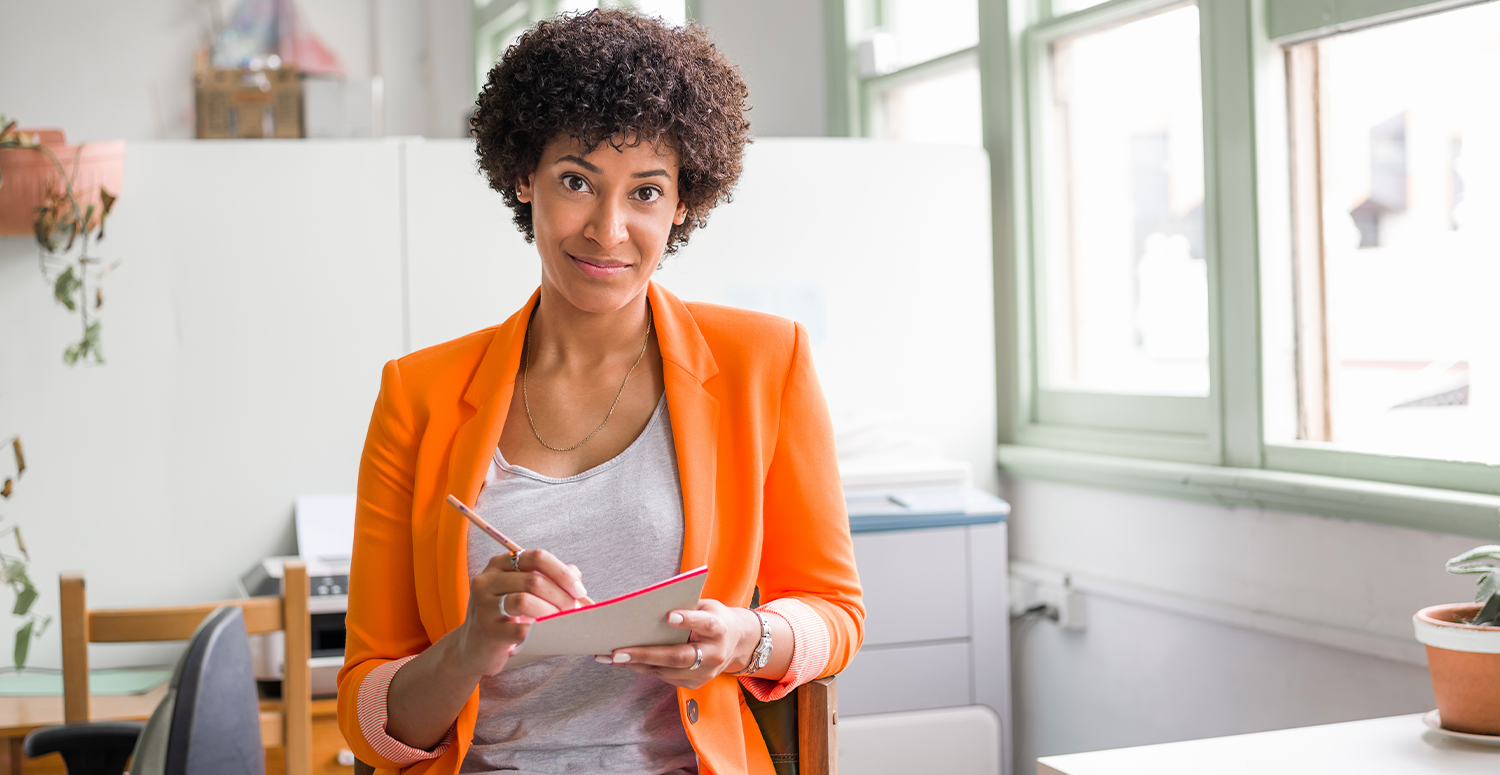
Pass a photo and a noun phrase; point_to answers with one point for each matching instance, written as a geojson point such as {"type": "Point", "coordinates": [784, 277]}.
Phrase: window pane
{"type": "Point", "coordinates": [1124, 278]}
{"type": "Point", "coordinates": [1060, 7]}
{"type": "Point", "coordinates": [926, 29]}
{"type": "Point", "coordinates": [943, 109]}
{"type": "Point", "coordinates": [1410, 185]}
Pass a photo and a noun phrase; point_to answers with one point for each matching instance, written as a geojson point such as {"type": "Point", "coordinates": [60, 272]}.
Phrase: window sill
{"type": "Point", "coordinates": [1420, 508]}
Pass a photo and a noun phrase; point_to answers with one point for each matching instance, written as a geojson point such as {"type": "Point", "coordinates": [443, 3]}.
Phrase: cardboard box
{"type": "Point", "coordinates": [248, 103]}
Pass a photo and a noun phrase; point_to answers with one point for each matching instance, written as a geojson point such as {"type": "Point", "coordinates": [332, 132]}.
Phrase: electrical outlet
{"type": "Point", "coordinates": [1064, 604]}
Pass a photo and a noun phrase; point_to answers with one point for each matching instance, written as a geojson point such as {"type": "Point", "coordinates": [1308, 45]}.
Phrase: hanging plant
{"type": "Point", "coordinates": [67, 224]}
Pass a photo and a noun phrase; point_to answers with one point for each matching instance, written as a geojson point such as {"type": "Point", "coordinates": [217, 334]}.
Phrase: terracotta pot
{"type": "Point", "coordinates": [1464, 661]}
{"type": "Point", "coordinates": [28, 172]}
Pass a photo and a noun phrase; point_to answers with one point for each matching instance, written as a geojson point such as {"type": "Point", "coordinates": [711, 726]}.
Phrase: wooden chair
{"type": "Point", "coordinates": [817, 733]}
{"type": "Point", "coordinates": [289, 727]}
{"type": "Point", "coordinates": [805, 723]}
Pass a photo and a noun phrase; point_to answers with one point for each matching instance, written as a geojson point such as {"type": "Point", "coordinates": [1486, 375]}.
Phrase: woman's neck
{"type": "Point", "coordinates": [564, 336]}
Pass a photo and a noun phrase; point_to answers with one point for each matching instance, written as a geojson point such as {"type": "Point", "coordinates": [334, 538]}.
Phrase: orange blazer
{"type": "Point", "coordinates": [762, 501]}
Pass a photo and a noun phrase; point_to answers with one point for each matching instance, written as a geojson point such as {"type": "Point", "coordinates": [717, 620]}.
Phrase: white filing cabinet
{"type": "Point", "coordinates": [936, 623]}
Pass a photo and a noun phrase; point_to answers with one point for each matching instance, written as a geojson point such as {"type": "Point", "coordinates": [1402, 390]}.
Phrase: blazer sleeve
{"type": "Point", "coordinates": [808, 552]}
{"type": "Point", "coordinates": [383, 624]}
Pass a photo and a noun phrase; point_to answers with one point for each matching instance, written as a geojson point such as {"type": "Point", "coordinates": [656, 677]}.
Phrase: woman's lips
{"type": "Point", "coordinates": [596, 269]}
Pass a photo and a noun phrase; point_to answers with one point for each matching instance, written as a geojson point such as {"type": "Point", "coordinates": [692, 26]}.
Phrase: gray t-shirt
{"type": "Point", "coordinates": [621, 524]}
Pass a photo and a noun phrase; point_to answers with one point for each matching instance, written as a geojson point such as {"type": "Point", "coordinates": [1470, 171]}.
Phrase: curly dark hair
{"type": "Point", "coordinates": [606, 75]}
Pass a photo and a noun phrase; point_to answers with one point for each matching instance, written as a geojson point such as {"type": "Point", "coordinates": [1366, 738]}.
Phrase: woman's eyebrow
{"type": "Point", "coordinates": [591, 168]}
{"type": "Point", "coordinates": [580, 162]}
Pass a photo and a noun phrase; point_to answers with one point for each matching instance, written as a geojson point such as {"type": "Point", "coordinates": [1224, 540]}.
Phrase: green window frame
{"type": "Point", "coordinates": [494, 22]}
{"type": "Point", "coordinates": [1213, 449]}
{"type": "Point", "coordinates": [853, 96]}
{"type": "Point", "coordinates": [1182, 428]}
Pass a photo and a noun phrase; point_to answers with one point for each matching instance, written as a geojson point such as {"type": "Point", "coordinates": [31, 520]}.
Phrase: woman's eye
{"type": "Point", "coordinates": [575, 183]}
{"type": "Point", "coordinates": [648, 194]}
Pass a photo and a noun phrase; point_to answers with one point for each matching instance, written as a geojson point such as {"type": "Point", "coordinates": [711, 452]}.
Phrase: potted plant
{"type": "Point", "coordinates": [1463, 648]}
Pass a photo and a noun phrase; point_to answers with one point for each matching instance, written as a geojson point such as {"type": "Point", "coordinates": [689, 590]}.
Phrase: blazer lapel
{"type": "Point", "coordinates": [474, 444]}
{"type": "Point", "coordinates": [687, 363]}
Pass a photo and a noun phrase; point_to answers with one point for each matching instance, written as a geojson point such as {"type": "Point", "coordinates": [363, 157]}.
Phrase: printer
{"type": "Point", "coordinates": [325, 541]}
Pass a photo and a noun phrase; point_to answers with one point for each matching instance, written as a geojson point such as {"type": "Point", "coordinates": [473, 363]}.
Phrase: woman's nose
{"type": "Point", "coordinates": [606, 227]}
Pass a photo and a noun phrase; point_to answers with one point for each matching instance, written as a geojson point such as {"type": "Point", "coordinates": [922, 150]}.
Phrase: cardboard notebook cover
{"type": "Point", "coordinates": [636, 618]}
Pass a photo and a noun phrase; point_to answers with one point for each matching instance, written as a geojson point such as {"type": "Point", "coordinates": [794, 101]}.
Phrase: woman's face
{"type": "Point", "coordinates": [602, 218]}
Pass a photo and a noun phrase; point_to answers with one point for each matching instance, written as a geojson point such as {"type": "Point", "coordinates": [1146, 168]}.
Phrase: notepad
{"type": "Point", "coordinates": [636, 618]}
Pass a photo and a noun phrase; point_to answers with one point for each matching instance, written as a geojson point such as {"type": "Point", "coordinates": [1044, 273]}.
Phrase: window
{"type": "Point", "coordinates": [1253, 250]}
{"type": "Point", "coordinates": [1123, 261]}
{"type": "Point", "coordinates": [914, 72]}
{"type": "Point", "coordinates": [497, 23]}
{"type": "Point", "coordinates": [1118, 259]}
{"type": "Point", "coordinates": [1068, 6]}
{"type": "Point", "coordinates": [1397, 283]}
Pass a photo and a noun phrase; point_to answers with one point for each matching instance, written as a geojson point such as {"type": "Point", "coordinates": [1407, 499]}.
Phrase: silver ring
{"type": "Point", "coordinates": [696, 662]}
{"type": "Point", "coordinates": [515, 561]}
{"type": "Point", "coordinates": [504, 612]}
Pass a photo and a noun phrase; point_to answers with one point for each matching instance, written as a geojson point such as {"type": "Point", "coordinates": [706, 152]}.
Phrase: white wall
{"type": "Point", "coordinates": [780, 49]}
{"type": "Point", "coordinates": [125, 69]}
{"type": "Point", "coordinates": [103, 70]}
{"type": "Point", "coordinates": [1205, 621]}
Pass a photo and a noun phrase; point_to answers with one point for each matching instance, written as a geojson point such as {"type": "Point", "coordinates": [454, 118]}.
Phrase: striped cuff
{"type": "Point", "coordinates": [372, 718]}
{"type": "Point", "coordinates": [809, 649]}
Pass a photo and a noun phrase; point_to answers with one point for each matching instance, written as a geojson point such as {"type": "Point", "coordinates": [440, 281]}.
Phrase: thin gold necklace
{"type": "Point", "coordinates": [526, 399]}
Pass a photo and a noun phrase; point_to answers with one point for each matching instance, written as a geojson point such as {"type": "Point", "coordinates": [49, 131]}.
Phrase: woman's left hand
{"type": "Point", "coordinates": [726, 636]}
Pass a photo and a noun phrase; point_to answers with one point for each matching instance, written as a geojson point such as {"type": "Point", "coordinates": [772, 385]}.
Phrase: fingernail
{"type": "Point", "coordinates": [514, 647]}
{"type": "Point", "coordinates": [578, 590]}
{"type": "Point", "coordinates": [674, 618]}
{"type": "Point", "coordinates": [622, 657]}
{"type": "Point", "coordinates": [577, 604]}
{"type": "Point", "coordinates": [603, 660]}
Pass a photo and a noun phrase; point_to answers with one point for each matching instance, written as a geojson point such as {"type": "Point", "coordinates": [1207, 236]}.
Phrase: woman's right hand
{"type": "Point", "coordinates": [542, 585]}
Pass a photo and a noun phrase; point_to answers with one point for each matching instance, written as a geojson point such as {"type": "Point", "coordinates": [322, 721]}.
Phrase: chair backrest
{"type": "Point", "coordinates": [209, 722]}
{"type": "Point", "coordinates": [800, 729]}
{"type": "Point", "coordinates": [290, 727]}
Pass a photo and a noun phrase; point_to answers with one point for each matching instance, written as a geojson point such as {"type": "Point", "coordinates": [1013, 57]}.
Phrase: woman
{"type": "Point", "coordinates": [617, 433]}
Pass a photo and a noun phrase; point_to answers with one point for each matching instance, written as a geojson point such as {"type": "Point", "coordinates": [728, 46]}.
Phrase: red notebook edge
{"type": "Point", "coordinates": [685, 575]}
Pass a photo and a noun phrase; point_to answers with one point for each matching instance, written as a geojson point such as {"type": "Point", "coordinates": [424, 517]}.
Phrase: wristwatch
{"type": "Point", "coordinates": [762, 653]}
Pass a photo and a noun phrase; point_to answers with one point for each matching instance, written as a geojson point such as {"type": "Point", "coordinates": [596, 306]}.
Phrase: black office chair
{"type": "Point", "coordinates": [208, 724]}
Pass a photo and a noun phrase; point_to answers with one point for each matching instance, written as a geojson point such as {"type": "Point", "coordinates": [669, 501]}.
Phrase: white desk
{"type": "Point", "coordinates": [1398, 745]}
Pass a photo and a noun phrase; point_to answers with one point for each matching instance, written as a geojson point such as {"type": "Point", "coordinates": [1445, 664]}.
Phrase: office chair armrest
{"type": "Point", "coordinates": [88, 748]}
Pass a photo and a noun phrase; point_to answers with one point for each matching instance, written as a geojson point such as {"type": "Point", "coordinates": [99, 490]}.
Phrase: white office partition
{"type": "Point", "coordinates": [881, 249]}
{"type": "Point", "coordinates": [259, 293]}
{"type": "Point", "coordinates": [467, 264]}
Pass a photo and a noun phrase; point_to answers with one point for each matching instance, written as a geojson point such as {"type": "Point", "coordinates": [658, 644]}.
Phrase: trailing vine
{"type": "Point", "coordinates": [76, 277]}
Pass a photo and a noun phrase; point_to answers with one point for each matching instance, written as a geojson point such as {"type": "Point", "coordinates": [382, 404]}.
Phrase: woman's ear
{"type": "Point", "coordinates": [680, 217]}
{"type": "Point", "coordinates": [523, 189]}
